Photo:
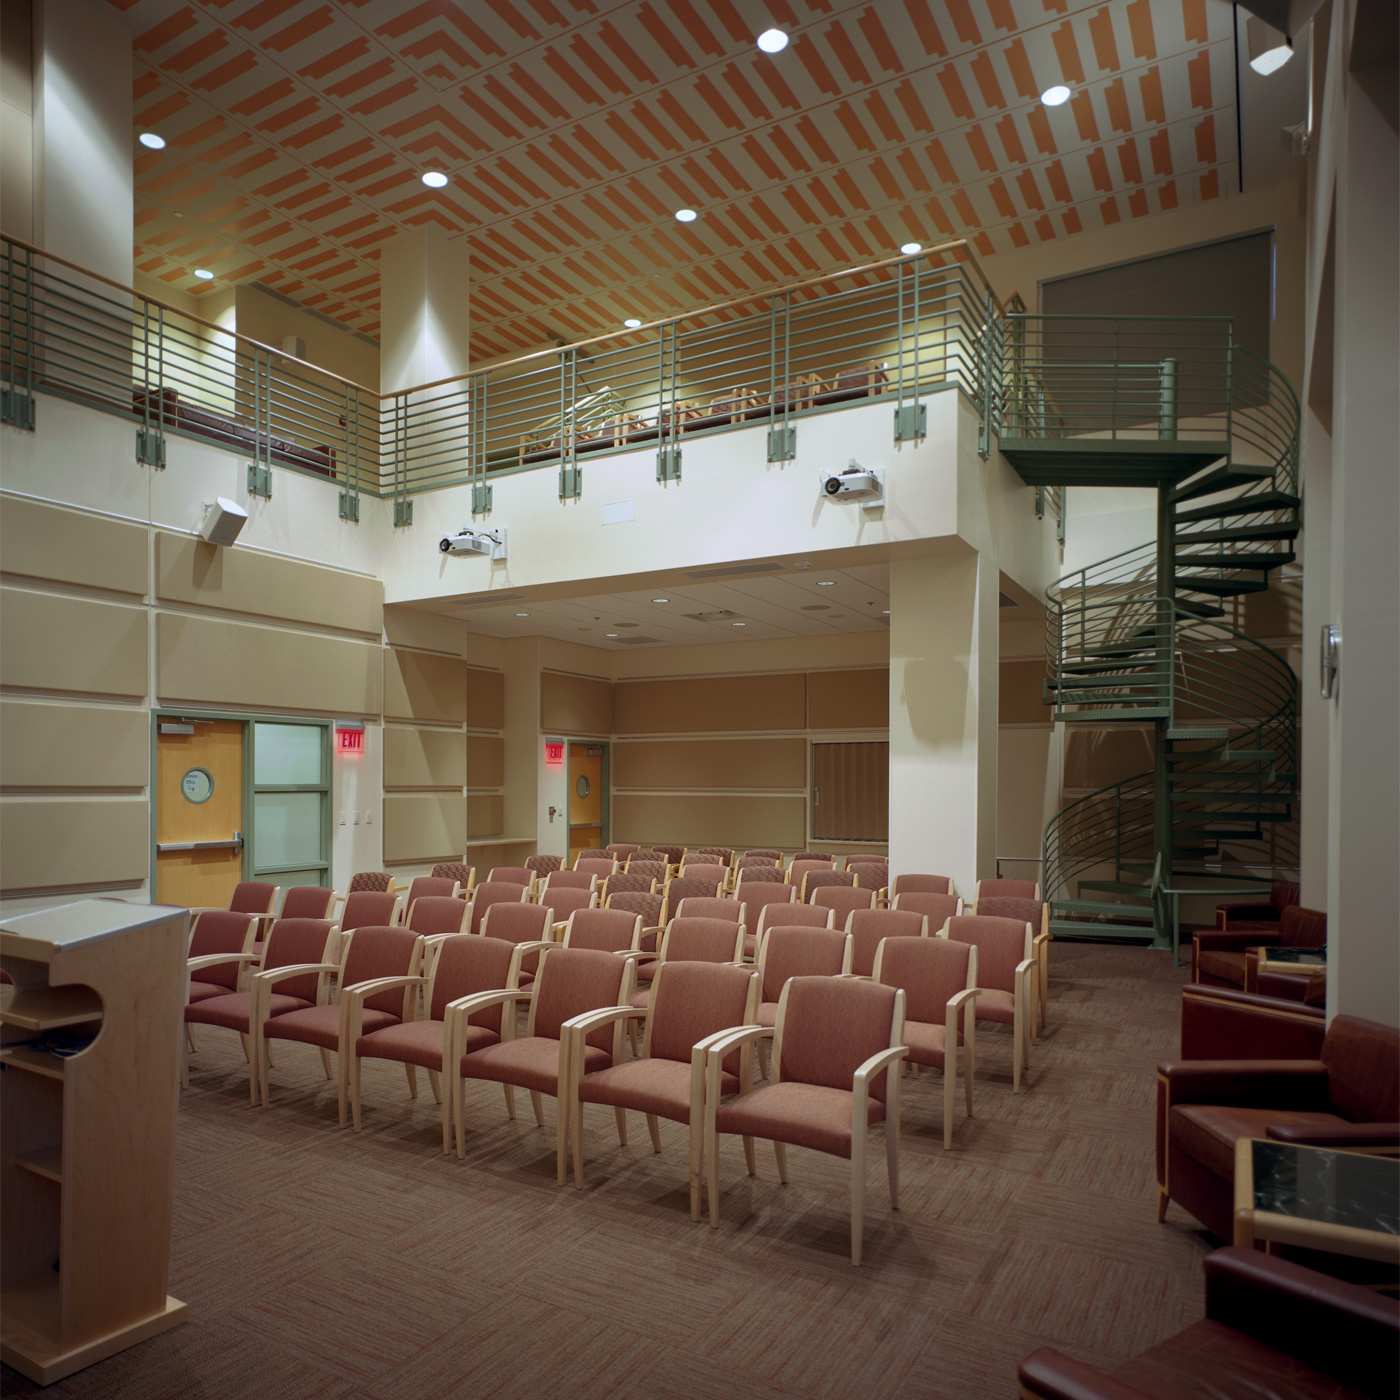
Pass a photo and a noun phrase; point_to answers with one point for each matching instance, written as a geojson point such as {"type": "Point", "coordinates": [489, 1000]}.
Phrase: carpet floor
{"type": "Point", "coordinates": [325, 1265]}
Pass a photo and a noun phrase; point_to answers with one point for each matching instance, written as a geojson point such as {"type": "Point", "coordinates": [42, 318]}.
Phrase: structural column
{"type": "Point", "coordinates": [944, 654]}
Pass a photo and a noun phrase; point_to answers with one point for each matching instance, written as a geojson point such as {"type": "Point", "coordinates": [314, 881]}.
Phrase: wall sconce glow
{"type": "Point", "coordinates": [1055, 96]}
{"type": "Point", "coordinates": [772, 41]}
{"type": "Point", "coordinates": [434, 179]}
{"type": "Point", "coordinates": [911, 247]}
{"type": "Point", "coordinates": [631, 323]}
{"type": "Point", "coordinates": [204, 274]}
{"type": "Point", "coordinates": [151, 141]}
{"type": "Point", "coordinates": [1269, 49]}
{"type": "Point", "coordinates": [686, 216]}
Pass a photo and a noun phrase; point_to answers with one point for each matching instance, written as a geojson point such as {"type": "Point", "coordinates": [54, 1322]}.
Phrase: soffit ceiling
{"type": "Point", "coordinates": [573, 129]}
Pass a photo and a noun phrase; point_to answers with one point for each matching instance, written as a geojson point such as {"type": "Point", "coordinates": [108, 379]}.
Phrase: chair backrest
{"type": "Point", "coordinates": [936, 908]}
{"type": "Point", "coordinates": [843, 900]}
{"type": "Point", "coordinates": [921, 884]}
{"type": "Point", "coordinates": [1001, 945]}
{"type": "Point", "coordinates": [381, 952]}
{"type": "Point", "coordinates": [465, 875]}
{"type": "Point", "coordinates": [721, 855]}
{"type": "Point", "coordinates": [608, 930]}
{"type": "Point", "coordinates": [365, 907]}
{"type": "Point", "coordinates": [296, 941]}
{"type": "Point", "coordinates": [704, 870]}
{"type": "Point", "coordinates": [870, 874]}
{"type": "Point", "coordinates": [371, 881]}
{"type": "Point", "coordinates": [307, 902]}
{"type": "Point", "coordinates": [793, 915]}
{"type": "Point", "coordinates": [1028, 911]}
{"type": "Point", "coordinates": [467, 965]}
{"type": "Point", "coordinates": [1282, 893]}
{"type": "Point", "coordinates": [755, 863]}
{"type": "Point", "coordinates": [760, 875]}
{"type": "Point", "coordinates": [571, 981]}
{"type": "Point", "coordinates": [253, 897]}
{"type": "Point", "coordinates": [815, 855]}
{"type": "Point", "coordinates": [511, 875]}
{"type": "Point", "coordinates": [868, 926]}
{"type": "Point", "coordinates": [829, 1026]}
{"type": "Point", "coordinates": [517, 922]}
{"type": "Point", "coordinates": [624, 882]}
{"type": "Point", "coordinates": [600, 866]}
{"type": "Point", "coordinates": [931, 971]}
{"type": "Point", "coordinates": [647, 869]}
{"type": "Point", "coordinates": [770, 854]}
{"type": "Point", "coordinates": [436, 913]}
{"type": "Point", "coordinates": [620, 850]}
{"type": "Point", "coordinates": [569, 880]}
{"type": "Point", "coordinates": [801, 865]}
{"type": "Point", "coordinates": [566, 898]}
{"type": "Point", "coordinates": [1006, 889]}
{"type": "Point", "coordinates": [432, 885]}
{"type": "Point", "coordinates": [792, 951]}
{"type": "Point", "coordinates": [543, 865]}
{"type": "Point", "coordinates": [1302, 928]}
{"type": "Point", "coordinates": [648, 906]}
{"type": "Point", "coordinates": [701, 907]}
{"type": "Point", "coordinates": [487, 894]}
{"type": "Point", "coordinates": [702, 940]}
{"type": "Point", "coordinates": [1363, 1069]}
{"type": "Point", "coordinates": [691, 1000]}
{"type": "Point", "coordinates": [814, 880]}
{"type": "Point", "coordinates": [688, 887]}
{"type": "Point", "coordinates": [222, 931]}
{"type": "Point", "coordinates": [674, 854]}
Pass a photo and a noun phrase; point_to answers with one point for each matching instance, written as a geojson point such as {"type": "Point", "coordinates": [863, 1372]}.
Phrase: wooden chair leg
{"type": "Point", "coordinates": [696, 1155]}
{"type": "Point", "coordinates": [1162, 1200]}
{"type": "Point", "coordinates": [247, 1048]}
{"type": "Point", "coordinates": [780, 1152]}
{"type": "Point", "coordinates": [510, 1100]}
{"type": "Point", "coordinates": [326, 1062]}
{"type": "Point", "coordinates": [654, 1128]}
{"type": "Point", "coordinates": [969, 1059]}
{"type": "Point", "coordinates": [562, 1128]}
{"type": "Point", "coordinates": [189, 1038]}
{"type": "Point", "coordinates": [1018, 1051]}
{"type": "Point", "coordinates": [749, 1160]}
{"type": "Point", "coordinates": [459, 1111]}
{"type": "Point", "coordinates": [342, 1083]}
{"type": "Point", "coordinates": [620, 1115]}
{"type": "Point", "coordinates": [537, 1103]}
{"type": "Point", "coordinates": [950, 1091]}
{"type": "Point", "coordinates": [412, 1072]}
{"type": "Point", "coordinates": [355, 1063]}
{"type": "Point", "coordinates": [435, 1084]}
{"type": "Point", "coordinates": [857, 1197]}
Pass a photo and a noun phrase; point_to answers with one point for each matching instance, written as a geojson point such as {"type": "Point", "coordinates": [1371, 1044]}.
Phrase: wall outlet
{"type": "Point", "coordinates": [357, 818]}
{"type": "Point", "coordinates": [342, 816]}
{"type": "Point", "coordinates": [369, 818]}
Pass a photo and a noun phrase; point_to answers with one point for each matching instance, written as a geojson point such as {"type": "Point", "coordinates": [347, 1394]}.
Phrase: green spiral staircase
{"type": "Point", "coordinates": [1155, 635]}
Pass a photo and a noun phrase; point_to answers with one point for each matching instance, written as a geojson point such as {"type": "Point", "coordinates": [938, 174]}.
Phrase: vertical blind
{"type": "Point", "coordinates": [851, 792]}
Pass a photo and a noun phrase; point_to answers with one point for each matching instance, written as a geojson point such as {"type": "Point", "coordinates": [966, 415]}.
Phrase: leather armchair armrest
{"type": "Point", "coordinates": [1213, 940]}
{"type": "Point", "coordinates": [1339, 1135]}
{"type": "Point", "coordinates": [1225, 912]}
{"type": "Point", "coordinates": [1217, 1022]}
{"type": "Point", "coordinates": [1295, 1084]}
{"type": "Point", "coordinates": [1047, 1375]}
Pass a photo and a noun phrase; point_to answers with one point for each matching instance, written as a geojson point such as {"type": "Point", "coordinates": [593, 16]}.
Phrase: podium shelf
{"type": "Point", "coordinates": [44, 1161]}
{"type": "Point", "coordinates": [35, 1061]}
{"type": "Point", "coordinates": [50, 1008]}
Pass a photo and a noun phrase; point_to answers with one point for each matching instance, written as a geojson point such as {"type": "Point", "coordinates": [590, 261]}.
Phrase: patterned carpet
{"type": "Point", "coordinates": [320, 1264]}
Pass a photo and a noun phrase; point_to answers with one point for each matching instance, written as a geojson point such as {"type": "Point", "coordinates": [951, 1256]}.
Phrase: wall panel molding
{"type": "Point", "coordinates": [61, 842]}
{"type": "Point", "coordinates": [59, 643]}
{"type": "Point", "coordinates": [43, 541]}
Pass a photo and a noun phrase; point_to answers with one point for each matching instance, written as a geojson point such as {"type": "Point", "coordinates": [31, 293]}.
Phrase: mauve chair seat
{"type": "Point", "coordinates": [661, 1087]}
{"type": "Point", "coordinates": [417, 1043]}
{"type": "Point", "coordinates": [320, 1025]}
{"type": "Point", "coordinates": [531, 1062]}
{"type": "Point", "coordinates": [646, 972]}
{"type": "Point", "coordinates": [805, 1115]}
{"type": "Point", "coordinates": [767, 1013]}
{"type": "Point", "coordinates": [232, 1009]}
{"type": "Point", "coordinates": [927, 1042]}
{"type": "Point", "coordinates": [202, 991]}
{"type": "Point", "coordinates": [1208, 1132]}
{"type": "Point", "coordinates": [996, 1005]}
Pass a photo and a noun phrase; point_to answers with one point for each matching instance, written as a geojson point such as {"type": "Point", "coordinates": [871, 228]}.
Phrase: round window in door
{"type": "Point", "coordinates": [197, 786]}
{"type": "Point", "coordinates": [583, 787]}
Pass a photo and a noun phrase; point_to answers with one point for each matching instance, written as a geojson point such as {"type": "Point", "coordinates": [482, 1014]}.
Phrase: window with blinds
{"type": "Point", "coordinates": [851, 792]}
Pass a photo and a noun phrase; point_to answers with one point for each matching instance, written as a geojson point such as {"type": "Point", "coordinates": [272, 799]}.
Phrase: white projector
{"type": "Point", "coordinates": [491, 543]}
{"type": "Point", "coordinates": [854, 484]}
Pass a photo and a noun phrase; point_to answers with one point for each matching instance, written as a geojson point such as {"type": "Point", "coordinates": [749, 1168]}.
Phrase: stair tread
{"type": "Point", "coordinates": [1075, 928]}
{"type": "Point", "coordinates": [1238, 533]}
{"type": "Point", "coordinates": [1265, 560]}
{"type": "Point", "coordinates": [1218, 478]}
{"type": "Point", "coordinates": [1242, 505]}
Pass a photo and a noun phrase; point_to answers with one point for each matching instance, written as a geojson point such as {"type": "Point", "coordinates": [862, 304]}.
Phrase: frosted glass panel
{"type": "Point", "coordinates": [287, 828]}
{"type": "Point", "coordinates": [287, 754]}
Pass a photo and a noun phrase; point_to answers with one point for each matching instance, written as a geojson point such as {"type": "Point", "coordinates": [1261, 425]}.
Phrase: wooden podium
{"type": "Point", "coordinates": [87, 1140]}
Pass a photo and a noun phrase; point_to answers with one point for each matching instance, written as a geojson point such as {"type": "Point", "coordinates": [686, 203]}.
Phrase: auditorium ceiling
{"type": "Point", "coordinates": [572, 130]}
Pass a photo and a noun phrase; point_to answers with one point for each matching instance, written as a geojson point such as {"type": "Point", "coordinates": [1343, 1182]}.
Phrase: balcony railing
{"type": "Point", "coordinates": [891, 331]}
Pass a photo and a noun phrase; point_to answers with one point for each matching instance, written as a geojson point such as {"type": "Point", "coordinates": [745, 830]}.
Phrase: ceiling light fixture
{"type": "Point", "coordinates": [1269, 48]}
{"type": "Point", "coordinates": [522, 614]}
{"type": "Point", "coordinates": [884, 612]}
{"type": "Point", "coordinates": [434, 179]}
{"type": "Point", "coordinates": [151, 141]}
{"type": "Point", "coordinates": [911, 247]}
{"type": "Point", "coordinates": [631, 323]}
{"type": "Point", "coordinates": [826, 583]}
{"type": "Point", "coordinates": [738, 624]}
{"type": "Point", "coordinates": [772, 41]}
{"type": "Point", "coordinates": [1055, 96]}
{"type": "Point", "coordinates": [610, 634]}
{"type": "Point", "coordinates": [660, 600]}
{"type": "Point", "coordinates": [686, 216]}
{"type": "Point", "coordinates": [204, 274]}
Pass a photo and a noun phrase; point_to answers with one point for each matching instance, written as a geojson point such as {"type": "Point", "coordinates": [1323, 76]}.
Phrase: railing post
{"type": "Point", "coordinates": [782, 436]}
{"type": "Point", "coordinates": [477, 391]}
{"type": "Point", "coordinates": [668, 429]}
{"type": "Point", "coordinates": [1167, 413]}
{"type": "Point", "coordinates": [350, 461]}
{"type": "Point", "coordinates": [17, 398]}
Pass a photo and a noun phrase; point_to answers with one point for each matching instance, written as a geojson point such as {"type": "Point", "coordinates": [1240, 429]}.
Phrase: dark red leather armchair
{"type": "Point", "coordinates": [1272, 1329]}
{"type": "Point", "coordinates": [1219, 1023]}
{"type": "Point", "coordinates": [1348, 1096]}
{"type": "Point", "coordinates": [1281, 895]}
{"type": "Point", "coordinates": [1218, 958]}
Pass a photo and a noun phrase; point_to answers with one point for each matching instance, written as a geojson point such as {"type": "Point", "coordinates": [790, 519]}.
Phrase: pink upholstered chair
{"type": "Point", "coordinates": [465, 875]}
{"type": "Point", "coordinates": [653, 870]}
{"type": "Point", "coordinates": [680, 887]}
{"type": "Point", "coordinates": [571, 981]}
{"type": "Point", "coordinates": [248, 897]}
{"type": "Point", "coordinates": [793, 916]}
{"type": "Point", "coordinates": [648, 906]}
{"type": "Point", "coordinates": [843, 900]}
{"type": "Point", "coordinates": [543, 865]}
{"type": "Point", "coordinates": [526, 925]}
{"type": "Point", "coordinates": [365, 907]}
{"type": "Point", "coordinates": [796, 950]}
{"type": "Point", "coordinates": [1006, 889]}
{"type": "Point", "coordinates": [568, 880]}
{"type": "Point", "coordinates": [1005, 966]}
{"type": "Point", "coordinates": [1037, 915]}
{"type": "Point", "coordinates": [690, 1002]}
{"type": "Point", "coordinates": [366, 956]}
{"type": "Point", "coordinates": [816, 855]}
{"type": "Point", "coordinates": [720, 855]}
{"type": "Point", "coordinates": [868, 926]}
{"type": "Point", "coordinates": [938, 977]}
{"type": "Point", "coordinates": [758, 899]}
{"type": "Point", "coordinates": [218, 931]}
{"type": "Point", "coordinates": [566, 899]}
{"type": "Point", "coordinates": [771, 854]}
{"type": "Point", "coordinates": [705, 870]}
{"type": "Point", "coordinates": [624, 882]}
{"type": "Point", "coordinates": [601, 868]}
{"type": "Point", "coordinates": [607, 930]}
{"type": "Point", "coordinates": [936, 908]}
{"type": "Point", "coordinates": [307, 902]}
{"type": "Point", "coordinates": [461, 966]}
{"type": "Point", "coordinates": [513, 875]}
{"type": "Point", "coordinates": [489, 893]}
{"type": "Point", "coordinates": [600, 853]}
{"type": "Point", "coordinates": [757, 863]}
{"type": "Point", "coordinates": [801, 865]}
{"type": "Point", "coordinates": [621, 850]}
{"type": "Point", "coordinates": [432, 885]}
{"type": "Point", "coordinates": [435, 914]}
{"type": "Point", "coordinates": [759, 875]}
{"type": "Point", "coordinates": [837, 1051]}
{"type": "Point", "coordinates": [674, 855]}
{"type": "Point", "coordinates": [703, 907]}
{"type": "Point", "coordinates": [690, 940]}
{"type": "Point", "coordinates": [371, 882]}
{"type": "Point", "coordinates": [814, 880]}
{"type": "Point", "coordinates": [920, 884]}
{"type": "Point", "coordinates": [872, 875]}
{"type": "Point", "coordinates": [299, 943]}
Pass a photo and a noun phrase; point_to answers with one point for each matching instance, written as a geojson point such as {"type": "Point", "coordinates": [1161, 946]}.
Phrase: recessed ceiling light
{"type": "Point", "coordinates": [686, 216]}
{"type": "Point", "coordinates": [911, 247]}
{"type": "Point", "coordinates": [826, 583]}
{"type": "Point", "coordinates": [660, 600]}
{"type": "Point", "coordinates": [772, 41]}
{"type": "Point", "coordinates": [610, 634]}
{"type": "Point", "coordinates": [1055, 96]}
{"type": "Point", "coordinates": [738, 624]}
{"type": "Point", "coordinates": [884, 612]}
{"type": "Point", "coordinates": [631, 323]}
{"type": "Point", "coordinates": [522, 614]}
{"type": "Point", "coordinates": [204, 274]}
{"type": "Point", "coordinates": [1269, 49]}
{"type": "Point", "coordinates": [434, 179]}
{"type": "Point", "coordinates": [151, 141]}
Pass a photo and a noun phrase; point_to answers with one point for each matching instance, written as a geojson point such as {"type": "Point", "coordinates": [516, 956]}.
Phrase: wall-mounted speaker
{"type": "Point", "coordinates": [222, 521]}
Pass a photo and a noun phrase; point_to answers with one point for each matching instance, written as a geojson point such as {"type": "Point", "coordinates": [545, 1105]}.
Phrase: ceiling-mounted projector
{"type": "Point", "coordinates": [491, 543]}
{"type": "Point", "coordinates": [854, 484]}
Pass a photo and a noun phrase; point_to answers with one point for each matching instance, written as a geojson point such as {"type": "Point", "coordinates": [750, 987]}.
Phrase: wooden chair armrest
{"type": "Point", "coordinates": [881, 1060]}
{"type": "Point", "coordinates": [963, 997]}
{"type": "Point", "coordinates": [360, 990]}
{"type": "Point", "coordinates": [217, 959]}
{"type": "Point", "coordinates": [591, 1020]}
{"type": "Point", "coordinates": [480, 1001]}
{"type": "Point", "coordinates": [534, 945]}
{"type": "Point", "coordinates": [272, 976]}
{"type": "Point", "coordinates": [720, 1043]}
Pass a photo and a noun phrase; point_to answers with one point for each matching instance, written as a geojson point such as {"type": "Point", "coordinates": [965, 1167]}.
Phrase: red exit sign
{"type": "Point", "coordinates": [554, 755]}
{"type": "Point", "coordinates": [351, 740]}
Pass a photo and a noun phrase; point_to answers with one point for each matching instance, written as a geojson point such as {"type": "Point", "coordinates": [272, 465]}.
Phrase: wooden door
{"type": "Point", "coordinates": [199, 812]}
{"type": "Point", "coordinates": [585, 798]}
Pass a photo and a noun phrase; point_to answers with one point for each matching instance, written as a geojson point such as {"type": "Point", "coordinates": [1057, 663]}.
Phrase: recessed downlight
{"type": "Point", "coordinates": [660, 600]}
{"type": "Point", "coordinates": [610, 634]}
{"type": "Point", "coordinates": [151, 141]}
{"type": "Point", "coordinates": [884, 612]}
{"type": "Point", "coordinates": [686, 216]}
{"type": "Point", "coordinates": [522, 614]}
{"type": "Point", "coordinates": [772, 41]}
{"type": "Point", "coordinates": [1055, 96]}
{"type": "Point", "coordinates": [826, 583]}
{"type": "Point", "coordinates": [434, 179]}
{"type": "Point", "coordinates": [204, 274]}
{"type": "Point", "coordinates": [911, 247]}
{"type": "Point", "coordinates": [738, 624]}
{"type": "Point", "coordinates": [631, 323]}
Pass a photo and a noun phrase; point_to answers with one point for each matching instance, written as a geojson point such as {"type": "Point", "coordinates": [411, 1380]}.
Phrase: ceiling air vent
{"type": "Point", "coordinates": [737, 570]}
{"type": "Point", "coordinates": [719, 615]}
{"type": "Point", "coordinates": [638, 641]}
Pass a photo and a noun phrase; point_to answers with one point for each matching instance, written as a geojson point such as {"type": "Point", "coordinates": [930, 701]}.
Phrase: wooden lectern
{"type": "Point", "coordinates": [87, 1139]}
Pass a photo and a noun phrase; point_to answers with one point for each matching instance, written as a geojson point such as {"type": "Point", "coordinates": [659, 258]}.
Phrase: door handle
{"type": "Point", "coordinates": [238, 842]}
{"type": "Point", "coordinates": [234, 845]}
